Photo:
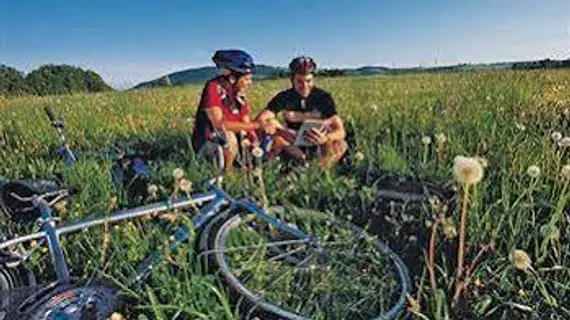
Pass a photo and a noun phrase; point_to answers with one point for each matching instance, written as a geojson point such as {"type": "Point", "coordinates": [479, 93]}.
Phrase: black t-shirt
{"type": "Point", "coordinates": [289, 100]}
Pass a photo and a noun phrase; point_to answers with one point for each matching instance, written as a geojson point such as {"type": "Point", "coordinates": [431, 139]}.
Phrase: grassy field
{"type": "Point", "coordinates": [507, 118]}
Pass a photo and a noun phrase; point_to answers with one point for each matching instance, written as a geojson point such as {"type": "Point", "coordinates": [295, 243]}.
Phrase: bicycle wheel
{"type": "Point", "coordinates": [14, 273]}
{"type": "Point", "coordinates": [95, 301]}
{"type": "Point", "coordinates": [340, 272]}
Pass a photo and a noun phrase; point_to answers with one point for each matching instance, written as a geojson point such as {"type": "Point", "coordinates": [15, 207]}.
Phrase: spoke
{"type": "Point", "coordinates": [258, 246]}
{"type": "Point", "coordinates": [287, 253]}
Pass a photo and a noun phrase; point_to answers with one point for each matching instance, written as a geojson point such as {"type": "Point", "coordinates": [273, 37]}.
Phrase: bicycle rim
{"type": "Point", "coordinates": [342, 273]}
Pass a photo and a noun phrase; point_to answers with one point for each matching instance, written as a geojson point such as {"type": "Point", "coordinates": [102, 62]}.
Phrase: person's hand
{"type": "Point", "coordinates": [317, 137]}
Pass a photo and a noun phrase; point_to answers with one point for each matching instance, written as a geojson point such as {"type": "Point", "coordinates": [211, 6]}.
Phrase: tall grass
{"type": "Point", "coordinates": [505, 117]}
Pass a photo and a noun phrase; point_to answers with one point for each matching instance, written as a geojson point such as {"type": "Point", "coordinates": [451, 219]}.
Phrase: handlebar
{"type": "Point", "coordinates": [50, 113]}
{"type": "Point", "coordinates": [55, 122]}
{"type": "Point", "coordinates": [36, 199]}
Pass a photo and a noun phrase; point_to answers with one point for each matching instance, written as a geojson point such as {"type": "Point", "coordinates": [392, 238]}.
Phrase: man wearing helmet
{"type": "Point", "coordinates": [224, 110]}
{"type": "Point", "coordinates": [304, 101]}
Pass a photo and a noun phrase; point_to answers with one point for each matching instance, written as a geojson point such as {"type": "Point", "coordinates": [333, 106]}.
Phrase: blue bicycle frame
{"type": "Point", "coordinates": [212, 201]}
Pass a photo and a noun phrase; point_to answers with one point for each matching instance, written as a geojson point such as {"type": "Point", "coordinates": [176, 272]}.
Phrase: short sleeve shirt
{"type": "Point", "coordinates": [218, 93]}
{"type": "Point", "coordinates": [289, 100]}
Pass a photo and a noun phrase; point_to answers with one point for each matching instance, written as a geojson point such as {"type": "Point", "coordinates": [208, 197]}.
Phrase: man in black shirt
{"type": "Point", "coordinates": [304, 101]}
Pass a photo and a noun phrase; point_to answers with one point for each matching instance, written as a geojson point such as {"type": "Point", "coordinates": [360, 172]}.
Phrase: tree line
{"type": "Point", "coordinates": [49, 79]}
{"type": "Point", "coordinates": [541, 64]}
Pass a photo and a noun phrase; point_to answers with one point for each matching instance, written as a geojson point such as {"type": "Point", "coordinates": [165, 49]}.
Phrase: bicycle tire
{"type": "Point", "coordinates": [254, 304]}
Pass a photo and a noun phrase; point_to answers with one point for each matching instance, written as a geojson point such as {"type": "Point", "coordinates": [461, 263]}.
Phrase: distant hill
{"type": "Point", "coordinates": [200, 75]}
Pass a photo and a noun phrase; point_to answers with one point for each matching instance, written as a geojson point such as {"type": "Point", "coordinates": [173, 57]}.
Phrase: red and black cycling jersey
{"type": "Point", "coordinates": [289, 100]}
{"type": "Point", "coordinates": [217, 92]}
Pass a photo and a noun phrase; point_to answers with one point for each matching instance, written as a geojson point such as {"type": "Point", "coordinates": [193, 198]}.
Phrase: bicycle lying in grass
{"type": "Point", "coordinates": [130, 173]}
{"type": "Point", "coordinates": [283, 263]}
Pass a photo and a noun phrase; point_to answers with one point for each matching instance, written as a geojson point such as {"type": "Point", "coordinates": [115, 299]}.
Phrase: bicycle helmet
{"type": "Point", "coordinates": [302, 65]}
{"type": "Point", "coordinates": [237, 61]}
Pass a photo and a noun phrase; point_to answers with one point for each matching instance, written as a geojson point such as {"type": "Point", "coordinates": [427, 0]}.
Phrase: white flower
{"type": "Point", "coordinates": [359, 156]}
{"type": "Point", "coordinates": [178, 173]}
{"type": "Point", "coordinates": [520, 126]}
{"type": "Point", "coordinates": [185, 185]}
{"type": "Point", "coordinates": [245, 143]}
{"type": "Point", "coordinates": [556, 136]}
{"type": "Point", "coordinates": [564, 142]}
{"type": "Point", "coordinates": [565, 172]}
{"type": "Point", "coordinates": [257, 152]}
{"type": "Point", "coordinates": [426, 140]}
{"type": "Point", "coordinates": [441, 138]}
{"type": "Point", "coordinates": [152, 189]}
{"type": "Point", "coordinates": [533, 171]}
{"type": "Point", "coordinates": [117, 316]}
{"type": "Point", "coordinates": [520, 259]}
{"type": "Point", "coordinates": [467, 170]}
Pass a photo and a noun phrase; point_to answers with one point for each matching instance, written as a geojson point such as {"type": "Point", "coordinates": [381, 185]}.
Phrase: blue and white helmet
{"type": "Point", "coordinates": [237, 61]}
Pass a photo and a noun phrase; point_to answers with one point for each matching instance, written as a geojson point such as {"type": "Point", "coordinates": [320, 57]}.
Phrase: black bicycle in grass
{"type": "Point", "coordinates": [280, 263]}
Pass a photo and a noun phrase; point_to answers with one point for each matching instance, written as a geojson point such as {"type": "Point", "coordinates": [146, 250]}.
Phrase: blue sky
{"type": "Point", "coordinates": [132, 41]}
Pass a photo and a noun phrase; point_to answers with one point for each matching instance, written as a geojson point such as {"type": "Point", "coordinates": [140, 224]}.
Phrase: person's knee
{"type": "Point", "coordinates": [336, 148]}
{"type": "Point", "coordinates": [332, 152]}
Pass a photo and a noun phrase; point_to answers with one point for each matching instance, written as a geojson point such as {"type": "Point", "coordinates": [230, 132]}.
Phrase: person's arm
{"type": "Point", "coordinates": [332, 131]}
{"type": "Point", "coordinates": [213, 103]}
{"type": "Point", "coordinates": [296, 116]}
{"type": "Point", "coordinates": [334, 126]}
{"type": "Point", "coordinates": [216, 117]}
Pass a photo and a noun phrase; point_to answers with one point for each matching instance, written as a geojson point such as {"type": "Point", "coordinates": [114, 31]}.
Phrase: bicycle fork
{"type": "Point", "coordinates": [48, 226]}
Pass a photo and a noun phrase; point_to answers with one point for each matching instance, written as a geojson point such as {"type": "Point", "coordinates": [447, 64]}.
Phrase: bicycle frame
{"type": "Point", "coordinates": [211, 202]}
{"type": "Point", "coordinates": [70, 158]}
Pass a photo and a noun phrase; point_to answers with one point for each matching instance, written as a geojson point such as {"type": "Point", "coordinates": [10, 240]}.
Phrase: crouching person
{"type": "Point", "coordinates": [224, 111]}
{"type": "Point", "coordinates": [305, 102]}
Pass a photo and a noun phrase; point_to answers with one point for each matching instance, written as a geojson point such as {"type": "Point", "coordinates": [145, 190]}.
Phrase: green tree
{"type": "Point", "coordinates": [12, 81]}
{"type": "Point", "coordinates": [63, 79]}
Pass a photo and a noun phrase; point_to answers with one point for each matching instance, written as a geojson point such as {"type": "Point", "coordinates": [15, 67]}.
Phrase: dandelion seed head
{"type": "Point", "coordinates": [556, 136]}
{"type": "Point", "coordinates": [520, 259]}
{"type": "Point", "coordinates": [533, 171]}
{"type": "Point", "coordinates": [467, 170]}
{"type": "Point", "coordinates": [565, 172]}
{"type": "Point", "coordinates": [426, 140]}
{"type": "Point", "coordinates": [117, 316]}
{"type": "Point", "coordinates": [359, 156]}
{"type": "Point", "coordinates": [245, 143]}
{"type": "Point", "coordinates": [152, 189]}
{"type": "Point", "coordinates": [257, 152]}
{"type": "Point", "coordinates": [178, 173]}
{"type": "Point", "coordinates": [449, 229]}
